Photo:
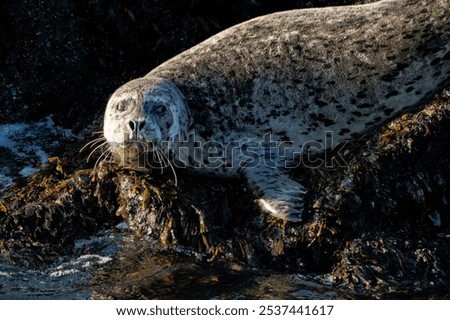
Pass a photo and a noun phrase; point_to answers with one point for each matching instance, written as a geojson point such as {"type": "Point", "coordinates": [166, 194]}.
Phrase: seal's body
{"type": "Point", "coordinates": [255, 97]}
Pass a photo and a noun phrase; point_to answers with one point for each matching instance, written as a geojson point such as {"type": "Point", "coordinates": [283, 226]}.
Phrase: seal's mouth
{"type": "Point", "coordinates": [137, 155]}
{"type": "Point", "coordinates": [136, 144]}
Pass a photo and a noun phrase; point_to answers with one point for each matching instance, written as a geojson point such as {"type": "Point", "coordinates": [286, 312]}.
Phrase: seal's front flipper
{"type": "Point", "coordinates": [278, 195]}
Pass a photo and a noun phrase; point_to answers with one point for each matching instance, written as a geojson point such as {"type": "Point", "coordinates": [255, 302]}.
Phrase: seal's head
{"type": "Point", "coordinates": [142, 115]}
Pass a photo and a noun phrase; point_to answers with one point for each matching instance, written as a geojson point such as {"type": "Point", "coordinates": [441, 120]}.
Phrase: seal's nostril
{"type": "Point", "coordinates": [136, 125]}
{"type": "Point", "coordinates": [132, 125]}
{"type": "Point", "coordinates": [141, 125]}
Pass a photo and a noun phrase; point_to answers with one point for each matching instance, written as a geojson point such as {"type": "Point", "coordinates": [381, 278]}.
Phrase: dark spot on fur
{"type": "Point", "coordinates": [249, 119]}
{"type": "Point", "coordinates": [357, 113]}
{"type": "Point", "coordinates": [418, 93]}
{"type": "Point", "coordinates": [361, 94]}
{"type": "Point", "coordinates": [323, 119]}
{"type": "Point", "coordinates": [389, 77]}
{"type": "Point", "coordinates": [391, 57]}
{"type": "Point", "coordinates": [443, 82]}
{"type": "Point", "coordinates": [364, 81]}
{"type": "Point", "coordinates": [344, 131]}
{"type": "Point", "coordinates": [364, 106]}
{"type": "Point", "coordinates": [391, 94]}
{"type": "Point", "coordinates": [409, 36]}
{"type": "Point", "coordinates": [274, 113]}
{"type": "Point", "coordinates": [328, 122]}
{"type": "Point", "coordinates": [261, 122]}
{"type": "Point", "coordinates": [402, 66]}
{"type": "Point", "coordinates": [320, 103]}
{"type": "Point", "coordinates": [409, 89]}
{"type": "Point", "coordinates": [341, 109]}
{"type": "Point", "coordinates": [388, 112]}
{"type": "Point", "coordinates": [418, 78]}
{"type": "Point", "coordinates": [435, 62]}
{"type": "Point", "coordinates": [446, 56]}
{"type": "Point", "coordinates": [319, 90]}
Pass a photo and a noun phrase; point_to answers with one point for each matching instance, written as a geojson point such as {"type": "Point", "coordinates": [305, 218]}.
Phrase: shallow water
{"type": "Point", "coordinates": [25, 146]}
{"type": "Point", "coordinates": [114, 265]}
{"type": "Point", "coordinates": [67, 278]}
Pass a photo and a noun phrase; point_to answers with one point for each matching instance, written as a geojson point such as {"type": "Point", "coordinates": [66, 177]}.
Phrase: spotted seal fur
{"type": "Point", "coordinates": [255, 98]}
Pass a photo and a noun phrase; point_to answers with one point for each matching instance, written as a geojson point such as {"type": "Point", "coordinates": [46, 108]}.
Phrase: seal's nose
{"type": "Point", "coordinates": [136, 127]}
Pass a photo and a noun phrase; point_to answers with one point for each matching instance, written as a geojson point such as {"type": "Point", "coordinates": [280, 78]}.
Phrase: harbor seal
{"type": "Point", "coordinates": [255, 99]}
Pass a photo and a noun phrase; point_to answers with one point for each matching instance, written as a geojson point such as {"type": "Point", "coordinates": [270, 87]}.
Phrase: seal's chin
{"type": "Point", "coordinates": [132, 154]}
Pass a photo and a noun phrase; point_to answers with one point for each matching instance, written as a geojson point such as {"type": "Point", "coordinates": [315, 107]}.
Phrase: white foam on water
{"type": "Point", "coordinates": [28, 145]}
{"type": "Point", "coordinates": [67, 268]}
{"type": "Point", "coordinates": [76, 266]}
{"type": "Point", "coordinates": [81, 263]}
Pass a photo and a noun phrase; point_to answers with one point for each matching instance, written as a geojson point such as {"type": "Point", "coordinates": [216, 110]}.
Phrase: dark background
{"type": "Point", "coordinates": [67, 57]}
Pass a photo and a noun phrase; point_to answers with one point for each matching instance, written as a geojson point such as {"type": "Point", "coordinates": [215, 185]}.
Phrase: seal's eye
{"type": "Point", "coordinates": [121, 106]}
{"type": "Point", "coordinates": [160, 109]}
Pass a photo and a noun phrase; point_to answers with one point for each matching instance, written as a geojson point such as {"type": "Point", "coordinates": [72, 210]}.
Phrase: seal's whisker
{"type": "Point", "coordinates": [105, 154]}
{"type": "Point", "coordinates": [161, 160]}
{"type": "Point", "coordinates": [92, 143]}
{"type": "Point", "coordinates": [169, 164]}
{"type": "Point", "coordinates": [96, 148]}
